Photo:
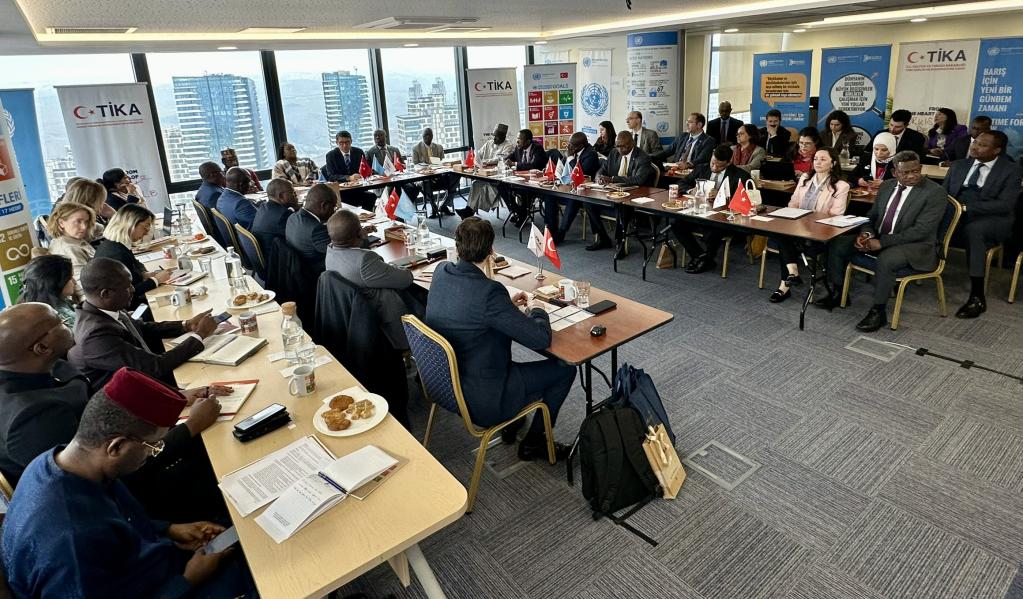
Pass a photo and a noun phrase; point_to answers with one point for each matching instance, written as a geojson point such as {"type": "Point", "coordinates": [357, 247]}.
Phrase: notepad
{"type": "Point", "coordinates": [790, 212]}
{"type": "Point", "coordinates": [513, 271]}
{"type": "Point", "coordinates": [846, 220]}
{"type": "Point", "coordinates": [642, 200]}
{"type": "Point", "coordinates": [231, 403]}
{"type": "Point", "coordinates": [228, 349]}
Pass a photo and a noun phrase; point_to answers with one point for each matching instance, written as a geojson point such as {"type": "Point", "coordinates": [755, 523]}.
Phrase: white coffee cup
{"type": "Point", "coordinates": [568, 289]}
{"type": "Point", "coordinates": [755, 173]}
{"type": "Point", "coordinates": [303, 381]}
{"type": "Point", "coordinates": [180, 297]}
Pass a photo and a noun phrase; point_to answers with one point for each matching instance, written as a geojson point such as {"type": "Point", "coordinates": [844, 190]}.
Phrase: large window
{"type": "Point", "coordinates": [42, 73]}
{"type": "Point", "coordinates": [208, 101]}
{"type": "Point", "coordinates": [419, 84]}
{"type": "Point", "coordinates": [483, 57]}
{"type": "Point", "coordinates": [323, 92]}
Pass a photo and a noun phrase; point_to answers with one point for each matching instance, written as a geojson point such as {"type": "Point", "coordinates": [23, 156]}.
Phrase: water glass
{"type": "Point", "coordinates": [411, 238]}
{"type": "Point", "coordinates": [582, 298]}
{"type": "Point", "coordinates": [306, 353]}
{"type": "Point", "coordinates": [206, 264]}
{"type": "Point", "coordinates": [451, 254]}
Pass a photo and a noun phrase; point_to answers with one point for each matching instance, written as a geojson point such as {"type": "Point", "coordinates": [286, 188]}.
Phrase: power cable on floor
{"type": "Point", "coordinates": [967, 364]}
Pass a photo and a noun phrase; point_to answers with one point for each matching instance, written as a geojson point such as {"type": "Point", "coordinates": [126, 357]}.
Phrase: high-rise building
{"type": "Point", "coordinates": [174, 144]}
{"type": "Point", "coordinates": [58, 172]}
{"type": "Point", "coordinates": [346, 96]}
{"type": "Point", "coordinates": [433, 110]}
{"type": "Point", "coordinates": [216, 112]}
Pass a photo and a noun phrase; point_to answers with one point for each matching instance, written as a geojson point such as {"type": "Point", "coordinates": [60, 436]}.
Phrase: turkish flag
{"type": "Point", "coordinates": [549, 250]}
{"type": "Point", "coordinates": [577, 175]}
{"type": "Point", "coordinates": [398, 166]}
{"type": "Point", "coordinates": [364, 169]}
{"type": "Point", "coordinates": [548, 172]}
{"type": "Point", "coordinates": [470, 159]}
{"type": "Point", "coordinates": [740, 201]}
{"type": "Point", "coordinates": [392, 204]}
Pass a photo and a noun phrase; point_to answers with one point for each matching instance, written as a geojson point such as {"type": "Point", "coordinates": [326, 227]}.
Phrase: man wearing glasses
{"type": "Point", "coordinates": [902, 233]}
{"type": "Point", "coordinates": [73, 529]}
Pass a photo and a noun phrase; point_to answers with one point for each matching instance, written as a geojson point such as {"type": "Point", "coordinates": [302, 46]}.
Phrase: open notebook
{"type": "Point", "coordinates": [316, 493]}
{"type": "Point", "coordinates": [228, 349]}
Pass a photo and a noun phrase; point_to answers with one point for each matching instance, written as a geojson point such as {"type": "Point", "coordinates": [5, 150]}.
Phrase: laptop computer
{"type": "Point", "coordinates": [781, 170]}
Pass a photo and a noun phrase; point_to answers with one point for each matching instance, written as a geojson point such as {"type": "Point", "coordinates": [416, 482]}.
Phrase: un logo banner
{"type": "Point", "coordinates": [595, 99]}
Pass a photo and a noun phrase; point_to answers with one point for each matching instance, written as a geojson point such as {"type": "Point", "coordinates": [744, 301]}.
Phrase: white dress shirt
{"type": "Point", "coordinates": [902, 204]}
{"type": "Point", "coordinates": [985, 170]}
{"type": "Point", "coordinates": [117, 318]}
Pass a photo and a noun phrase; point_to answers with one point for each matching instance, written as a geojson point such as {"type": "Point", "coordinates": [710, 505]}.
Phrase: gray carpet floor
{"type": "Point", "coordinates": [899, 479]}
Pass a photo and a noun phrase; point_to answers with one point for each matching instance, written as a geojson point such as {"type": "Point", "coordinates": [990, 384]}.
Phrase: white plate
{"type": "Point", "coordinates": [358, 426]}
{"type": "Point", "coordinates": [251, 304]}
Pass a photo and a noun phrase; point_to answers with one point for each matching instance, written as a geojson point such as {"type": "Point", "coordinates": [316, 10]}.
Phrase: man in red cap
{"type": "Point", "coordinates": [74, 530]}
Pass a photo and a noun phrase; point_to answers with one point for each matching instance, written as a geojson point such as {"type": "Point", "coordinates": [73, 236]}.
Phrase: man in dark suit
{"type": "Point", "coordinates": [272, 216]}
{"type": "Point", "coordinates": [692, 148]}
{"type": "Point", "coordinates": [108, 338]}
{"type": "Point", "coordinates": [580, 153]}
{"type": "Point", "coordinates": [625, 165]}
{"type": "Point", "coordinates": [719, 171]}
{"type": "Point", "coordinates": [988, 186]}
{"type": "Point", "coordinates": [528, 155]}
{"type": "Point", "coordinates": [230, 160]}
{"type": "Point", "coordinates": [724, 128]}
{"type": "Point", "coordinates": [644, 139]}
{"type": "Point", "coordinates": [902, 233]}
{"type": "Point", "coordinates": [480, 321]}
{"type": "Point", "coordinates": [961, 148]}
{"type": "Point", "coordinates": [232, 203]}
{"type": "Point", "coordinates": [213, 183]}
{"type": "Point", "coordinates": [343, 166]}
{"type": "Point", "coordinates": [906, 138]}
{"type": "Point", "coordinates": [306, 231]}
{"type": "Point", "coordinates": [388, 288]}
{"type": "Point", "coordinates": [773, 136]}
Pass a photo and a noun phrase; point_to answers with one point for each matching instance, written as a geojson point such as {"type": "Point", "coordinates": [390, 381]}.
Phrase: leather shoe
{"type": "Point", "coordinates": [529, 451]}
{"type": "Point", "coordinates": [793, 280]}
{"type": "Point", "coordinates": [510, 433]}
{"type": "Point", "coordinates": [874, 320]}
{"type": "Point", "coordinates": [829, 302]}
{"type": "Point", "coordinates": [974, 307]}
{"type": "Point", "coordinates": [702, 264]}
{"type": "Point", "coordinates": [446, 210]}
{"type": "Point", "coordinates": [779, 296]}
{"type": "Point", "coordinates": [600, 244]}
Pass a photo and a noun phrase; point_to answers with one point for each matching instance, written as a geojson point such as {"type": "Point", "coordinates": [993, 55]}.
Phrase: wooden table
{"type": "Point", "coordinates": [934, 171]}
{"type": "Point", "coordinates": [363, 185]}
{"type": "Point", "coordinates": [354, 537]}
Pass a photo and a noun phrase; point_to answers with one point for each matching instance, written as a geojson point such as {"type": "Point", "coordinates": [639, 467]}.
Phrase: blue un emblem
{"type": "Point", "coordinates": [595, 99]}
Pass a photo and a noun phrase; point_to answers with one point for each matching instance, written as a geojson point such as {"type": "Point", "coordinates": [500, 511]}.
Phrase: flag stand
{"type": "Point", "coordinates": [539, 275]}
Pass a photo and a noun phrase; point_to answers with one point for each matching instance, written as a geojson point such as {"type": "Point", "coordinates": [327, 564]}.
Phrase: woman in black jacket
{"type": "Point", "coordinates": [605, 138]}
{"type": "Point", "coordinates": [131, 223]}
{"type": "Point", "coordinates": [120, 189]}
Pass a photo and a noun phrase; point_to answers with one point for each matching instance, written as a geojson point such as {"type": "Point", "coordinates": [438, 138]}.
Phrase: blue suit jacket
{"type": "Point", "coordinates": [701, 153]}
{"type": "Point", "coordinates": [335, 169]}
{"type": "Point", "coordinates": [477, 317]}
{"type": "Point", "coordinates": [237, 208]}
{"type": "Point", "coordinates": [1000, 193]}
{"type": "Point", "coordinates": [308, 237]}
{"type": "Point", "coordinates": [208, 194]}
{"type": "Point", "coordinates": [270, 221]}
{"type": "Point", "coordinates": [589, 162]}
{"type": "Point", "coordinates": [537, 157]}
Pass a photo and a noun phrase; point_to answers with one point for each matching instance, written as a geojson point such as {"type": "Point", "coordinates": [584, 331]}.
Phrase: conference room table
{"type": "Point", "coordinates": [353, 537]}
{"type": "Point", "coordinates": [371, 183]}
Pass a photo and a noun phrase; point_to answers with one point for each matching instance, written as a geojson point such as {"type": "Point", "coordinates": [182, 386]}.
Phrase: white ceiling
{"type": "Point", "coordinates": [203, 25]}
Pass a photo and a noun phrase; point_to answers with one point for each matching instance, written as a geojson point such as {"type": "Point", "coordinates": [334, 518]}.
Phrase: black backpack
{"type": "Point", "coordinates": [615, 471]}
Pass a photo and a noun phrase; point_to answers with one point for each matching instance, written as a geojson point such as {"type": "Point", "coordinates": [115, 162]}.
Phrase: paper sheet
{"type": "Point", "coordinates": [253, 486]}
{"type": "Point", "coordinates": [229, 404]}
{"type": "Point", "coordinates": [561, 324]}
{"type": "Point", "coordinates": [765, 219]}
{"type": "Point", "coordinates": [513, 271]}
{"type": "Point", "coordinates": [643, 200]}
{"type": "Point", "coordinates": [320, 361]}
{"type": "Point", "coordinates": [149, 257]}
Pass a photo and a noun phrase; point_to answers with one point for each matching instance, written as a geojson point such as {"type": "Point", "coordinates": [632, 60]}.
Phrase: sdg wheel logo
{"type": "Point", "coordinates": [595, 99]}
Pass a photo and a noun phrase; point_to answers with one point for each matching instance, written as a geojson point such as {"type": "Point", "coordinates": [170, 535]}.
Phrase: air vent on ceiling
{"type": "Point", "coordinates": [269, 30]}
{"type": "Point", "coordinates": [457, 29]}
{"type": "Point", "coordinates": [90, 30]}
{"type": "Point", "coordinates": [421, 23]}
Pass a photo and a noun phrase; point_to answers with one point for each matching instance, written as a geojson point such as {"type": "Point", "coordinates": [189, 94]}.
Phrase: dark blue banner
{"type": "Point", "coordinates": [20, 113]}
{"type": "Point", "coordinates": [855, 80]}
{"type": "Point", "coordinates": [782, 80]}
{"type": "Point", "coordinates": [999, 73]}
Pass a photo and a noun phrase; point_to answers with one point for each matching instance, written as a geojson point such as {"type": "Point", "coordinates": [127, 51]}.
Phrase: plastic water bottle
{"type": "Point", "coordinates": [423, 231]}
{"type": "Point", "coordinates": [292, 334]}
{"type": "Point", "coordinates": [843, 156]}
{"type": "Point", "coordinates": [235, 273]}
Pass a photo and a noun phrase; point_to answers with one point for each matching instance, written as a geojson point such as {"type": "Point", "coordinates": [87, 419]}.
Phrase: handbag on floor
{"type": "Point", "coordinates": [665, 259]}
{"type": "Point", "coordinates": [664, 461]}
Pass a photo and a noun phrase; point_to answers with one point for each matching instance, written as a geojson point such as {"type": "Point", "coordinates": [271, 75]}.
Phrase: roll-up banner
{"type": "Point", "coordinates": [493, 99]}
{"type": "Point", "coordinates": [111, 126]}
{"type": "Point", "coordinates": [999, 73]}
{"type": "Point", "coordinates": [593, 102]}
{"type": "Point", "coordinates": [15, 237]}
{"type": "Point", "coordinates": [932, 75]}
{"type": "Point", "coordinates": [782, 80]}
{"type": "Point", "coordinates": [20, 113]}
{"type": "Point", "coordinates": [653, 82]}
{"type": "Point", "coordinates": [550, 103]}
{"type": "Point", "coordinates": [855, 80]}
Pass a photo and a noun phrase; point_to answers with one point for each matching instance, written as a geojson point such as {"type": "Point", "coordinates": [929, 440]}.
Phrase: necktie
{"type": "Point", "coordinates": [689, 149]}
{"type": "Point", "coordinates": [128, 324]}
{"type": "Point", "coordinates": [724, 130]}
{"type": "Point", "coordinates": [635, 138]}
{"type": "Point", "coordinates": [348, 161]}
{"type": "Point", "coordinates": [975, 176]}
{"type": "Point", "coordinates": [623, 170]}
{"type": "Point", "coordinates": [888, 223]}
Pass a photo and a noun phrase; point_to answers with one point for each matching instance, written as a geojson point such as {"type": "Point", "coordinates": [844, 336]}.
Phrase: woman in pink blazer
{"type": "Point", "coordinates": [821, 190]}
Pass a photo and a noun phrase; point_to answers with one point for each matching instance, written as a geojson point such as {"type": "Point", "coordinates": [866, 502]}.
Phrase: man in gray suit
{"type": "Point", "coordinates": [386, 286]}
{"type": "Point", "coordinates": [645, 139]}
{"type": "Point", "coordinates": [625, 165]}
{"type": "Point", "coordinates": [306, 230]}
{"type": "Point", "coordinates": [902, 233]}
{"type": "Point", "coordinates": [988, 186]}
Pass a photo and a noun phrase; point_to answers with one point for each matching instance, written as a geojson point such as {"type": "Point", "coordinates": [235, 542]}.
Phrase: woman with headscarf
{"type": "Point", "coordinates": [120, 189]}
{"type": "Point", "coordinates": [870, 173]}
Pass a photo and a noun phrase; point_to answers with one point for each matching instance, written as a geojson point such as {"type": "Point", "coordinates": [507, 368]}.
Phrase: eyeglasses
{"type": "Point", "coordinates": [155, 449]}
